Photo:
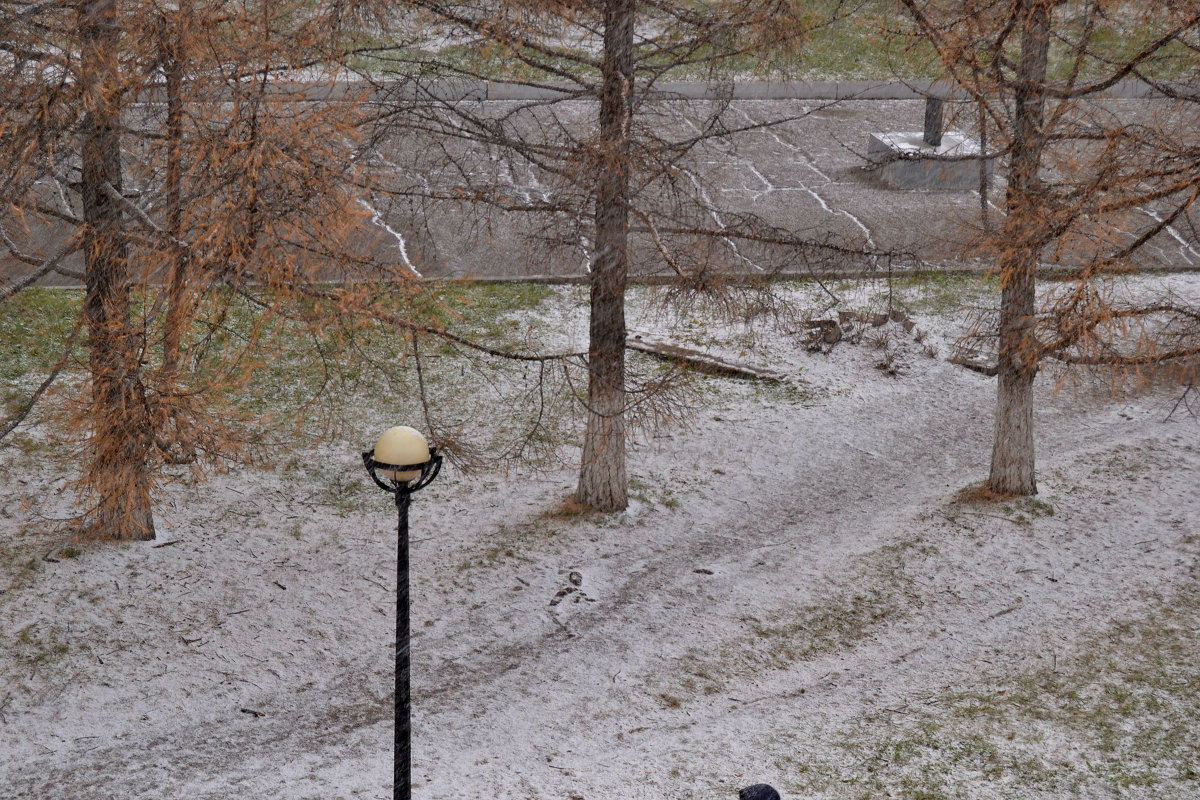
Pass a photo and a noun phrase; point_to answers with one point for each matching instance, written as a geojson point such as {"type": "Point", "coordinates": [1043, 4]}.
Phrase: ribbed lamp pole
{"type": "Point", "coordinates": [401, 463]}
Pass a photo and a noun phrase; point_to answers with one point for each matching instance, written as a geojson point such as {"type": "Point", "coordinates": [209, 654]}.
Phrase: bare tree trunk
{"type": "Point", "coordinates": [173, 68]}
{"type": "Point", "coordinates": [602, 480]}
{"type": "Point", "coordinates": [1012, 469]}
{"type": "Point", "coordinates": [117, 473]}
{"type": "Point", "coordinates": [985, 177]}
{"type": "Point", "coordinates": [1012, 449]}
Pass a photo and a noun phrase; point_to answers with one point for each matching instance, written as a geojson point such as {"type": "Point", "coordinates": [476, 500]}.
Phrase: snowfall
{"type": "Point", "coordinates": [804, 591]}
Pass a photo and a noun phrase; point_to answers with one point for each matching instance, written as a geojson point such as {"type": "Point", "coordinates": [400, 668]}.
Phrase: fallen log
{"type": "Point", "coordinates": [976, 362]}
{"type": "Point", "coordinates": [699, 360]}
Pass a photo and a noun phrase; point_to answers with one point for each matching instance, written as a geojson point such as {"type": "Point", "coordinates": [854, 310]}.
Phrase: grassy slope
{"type": "Point", "coordinates": [871, 41]}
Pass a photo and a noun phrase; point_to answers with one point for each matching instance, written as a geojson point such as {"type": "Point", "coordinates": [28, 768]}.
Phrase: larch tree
{"type": "Point", "coordinates": [1090, 181]}
{"type": "Point", "coordinates": [158, 153]}
{"type": "Point", "coordinates": [592, 158]}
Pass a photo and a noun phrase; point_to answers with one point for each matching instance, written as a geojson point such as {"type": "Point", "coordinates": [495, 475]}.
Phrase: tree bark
{"type": "Point", "coordinates": [117, 475]}
{"type": "Point", "coordinates": [602, 479]}
{"type": "Point", "coordinates": [172, 66]}
{"type": "Point", "coordinates": [1012, 470]}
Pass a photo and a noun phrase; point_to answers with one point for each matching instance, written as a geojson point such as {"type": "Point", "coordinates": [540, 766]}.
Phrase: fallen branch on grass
{"type": "Point", "coordinates": [699, 360]}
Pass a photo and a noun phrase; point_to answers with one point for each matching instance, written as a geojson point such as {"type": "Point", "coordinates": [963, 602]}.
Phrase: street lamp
{"type": "Point", "coordinates": [401, 463]}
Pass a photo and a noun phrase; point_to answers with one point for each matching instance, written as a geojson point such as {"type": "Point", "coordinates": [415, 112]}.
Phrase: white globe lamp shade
{"type": "Point", "coordinates": [401, 446]}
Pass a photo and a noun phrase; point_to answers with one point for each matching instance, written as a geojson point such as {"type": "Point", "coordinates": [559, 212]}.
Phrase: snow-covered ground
{"type": "Point", "coordinates": [800, 593]}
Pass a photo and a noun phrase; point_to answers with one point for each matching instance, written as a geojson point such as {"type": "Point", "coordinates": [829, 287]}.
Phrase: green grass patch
{"type": "Point", "coordinates": [1119, 714]}
{"type": "Point", "coordinates": [494, 62]}
{"type": "Point", "coordinates": [491, 312]}
{"type": "Point", "coordinates": [654, 494]}
{"type": "Point", "coordinates": [864, 46]}
{"type": "Point", "coordinates": [857, 46]}
{"type": "Point", "coordinates": [871, 40]}
{"type": "Point", "coordinates": [39, 646]}
{"type": "Point", "coordinates": [282, 371]}
{"type": "Point", "coordinates": [509, 543]}
{"type": "Point", "coordinates": [1115, 40]}
{"type": "Point", "coordinates": [34, 328]}
{"type": "Point", "coordinates": [940, 293]}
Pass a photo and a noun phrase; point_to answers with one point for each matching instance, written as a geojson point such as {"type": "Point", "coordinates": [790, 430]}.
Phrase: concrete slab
{"type": "Point", "coordinates": [907, 161]}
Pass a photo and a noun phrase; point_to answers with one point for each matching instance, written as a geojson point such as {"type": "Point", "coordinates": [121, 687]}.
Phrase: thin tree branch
{"type": "Point", "coordinates": [45, 385]}
{"type": "Point", "coordinates": [43, 268]}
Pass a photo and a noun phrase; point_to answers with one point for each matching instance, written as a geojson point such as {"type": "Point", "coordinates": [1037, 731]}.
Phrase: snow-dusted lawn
{"type": "Point", "coordinates": [797, 595]}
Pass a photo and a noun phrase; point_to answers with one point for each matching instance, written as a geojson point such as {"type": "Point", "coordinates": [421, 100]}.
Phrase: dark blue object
{"type": "Point", "coordinates": [759, 791]}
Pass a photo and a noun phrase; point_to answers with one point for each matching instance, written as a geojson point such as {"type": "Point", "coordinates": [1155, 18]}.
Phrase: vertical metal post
{"type": "Point", "coordinates": [425, 472]}
{"type": "Point", "coordinates": [933, 122]}
{"type": "Point", "coordinates": [402, 759]}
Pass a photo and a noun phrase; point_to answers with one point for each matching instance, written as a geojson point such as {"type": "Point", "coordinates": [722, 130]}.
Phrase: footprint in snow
{"type": "Point", "coordinates": [572, 590]}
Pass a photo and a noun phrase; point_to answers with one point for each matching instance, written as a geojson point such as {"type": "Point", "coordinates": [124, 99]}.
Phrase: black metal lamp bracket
{"type": "Point", "coordinates": [402, 489]}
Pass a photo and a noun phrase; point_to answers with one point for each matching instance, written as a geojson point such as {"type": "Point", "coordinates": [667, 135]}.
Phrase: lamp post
{"type": "Point", "coordinates": [401, 463]}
